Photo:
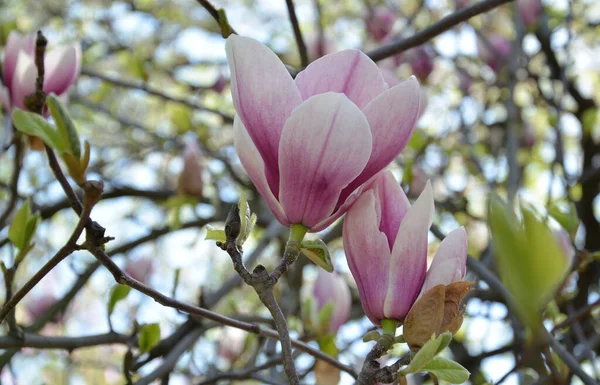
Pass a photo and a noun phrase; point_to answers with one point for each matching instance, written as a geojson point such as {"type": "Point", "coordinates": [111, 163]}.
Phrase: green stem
{"type": "Point", "coordinates": [297, 233]}
{"type": "Point", "coordinates": [389, 326]}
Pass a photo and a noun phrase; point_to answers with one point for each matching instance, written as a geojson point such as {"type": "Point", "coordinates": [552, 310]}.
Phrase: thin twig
{"type": "Point", "coordinates": [434, 29]}
{"type": "Point", "coordinates": [297, 33]}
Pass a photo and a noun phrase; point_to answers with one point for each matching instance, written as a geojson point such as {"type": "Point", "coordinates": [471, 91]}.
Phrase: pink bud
{"type": "Point", "coordinates": [231, 344]}
{"type": "Point", "coordinates": [62, 67]}
{"type": "Point", "coordinates": [330, 289]}
{"type": "Point", "coordinates": [220, 84]}
{"type": "Point", "coordinates": [385, 239]}
{"type": "Point", "coordinates": [190, 179]}
{"type": "Point", "coordinates": [380, 22]}
{"type": "Point", "coordinates": [293, 136]}
{"type": "Point", "coordinates": [420, 60]}
{"type": "Point", "coordinates": [495, 51]}
{"type": "Point", "coordinates": [140, 269]}
{"type": "Point", "coordinates": [41, 305]}
{"type": "Point", "coordinates": [530, 11]}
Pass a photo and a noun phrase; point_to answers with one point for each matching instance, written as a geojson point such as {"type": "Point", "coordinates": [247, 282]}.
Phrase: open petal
{"type": "Point", "coordinates": [350, 72]}
{"type": "Point", "coordinates": [325, 144]}
{"type": "Point", "coordinates": [264, 95]}
{"type": "Point", "coordinates": [62, 68]}
{"type": "Point", "coordinates": [392, 117]}
{"type": "Point", "coordinates": [448, 265]}
{"type": "Point", "coordinates": [409, 257]}
{"type": "Point", "coordinates": [16, 43]}
{"type": "Point", "coordinates": [23, 80]}
{"type": "Point", "coordinates": [368, 255]}
{"type": "Point", "coordinates": [254, 166]}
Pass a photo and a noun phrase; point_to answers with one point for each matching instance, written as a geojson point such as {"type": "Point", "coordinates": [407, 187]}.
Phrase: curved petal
{"type": "Point", "coordinates": [16, 43]}
{"type": "Point", "coordinates": [325, 144]}
{"type": "Point", "coordinates": [62, 68]}
{"type": "Point", "coordinates": [393, 204]}
{"type": "Point", "coordinates": [409, 257]}
{"type": "Point", "coordinates": [368, 255]}
{"type": "Point", "coordinates": [350, 72]}
{"type": "Point", "coordinates": [448, 265]}
{"type": "Point", "coordinates": [392, 117]}
{"type": "Point", "coordinates": [254, 166]}
{"type": "Point", "coordinates": [23, 80]}
{"type": "Point", "coordinates": [264, 95]}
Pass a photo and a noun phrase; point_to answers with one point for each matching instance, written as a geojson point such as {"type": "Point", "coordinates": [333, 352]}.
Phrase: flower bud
{"type": "Point", "coordinates": [41, 305]}
{"type": "Point", "coordinates": [380, 22]}
{"type": "Point", "coordinates": [437, 311]}
{"type": "Point", "coordinates": [327, 304]}
{"type": "Point", "coordinates": [190, 179]}
{"type": "Point", "coordinates": [140, 269]}
{"type": "Point", "coordinates": [494, 51]}
{"type": "Point", "coordinates": [530, 11]}
{"type": "Point", "coordinates": [231, 344]}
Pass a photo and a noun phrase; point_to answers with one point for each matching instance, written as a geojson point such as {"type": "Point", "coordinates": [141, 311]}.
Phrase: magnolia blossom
{"type": "Point", "coordinates": [380, 22]}
{"type": "Point", "coordinates": [190, 179]}
{"type": "Point", "coordinates": [530, 11]}
{"type": "Point", "coordinates": [420, 60]}
{"type": "Point", "coordinates": [494, 51]}
{"type": "Point", "coordinates": [140, 269]}
{"type": "Point", "coordinates": [62, 66]}
{"type": "Point", "coordinates": [329, 289]}
{"type": "Point", "coordinates": [385, 239]}
{"type": "Point", "coordinates": [309, 144]}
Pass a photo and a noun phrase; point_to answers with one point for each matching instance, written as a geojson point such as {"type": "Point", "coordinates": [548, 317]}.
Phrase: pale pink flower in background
{"type": "Point", "coordinates": [190, 180]}
{"type": "Point", "coordinates": [380, 22]}
{"type": "Point", "coordinates": [220, 84]}
{"type": "Point", "coordinates": [40, 305]}
{"type": "Point", "coordinates": [496, 53]}
{"type": "Point", "coordinates": [385, 239]}
{"type": "Point", "coordinates": [530, 11]}
{"type": "Point", "coordinates": [311, 143]}
{"type": "Point", "coordinates": [140, 269]}
{"type": "Point", "coordinates": [231, 345]}
{"type": "Point", "coordinates": [62, 67]}
{"type": "Point", "coordinates": [318, 47]}
{"type": "Point", "coordinates": [420, 60]}
{"type": "Point", "coordinates": [329, 288]}
{"type": "Point", "coordinates": [418, 182]}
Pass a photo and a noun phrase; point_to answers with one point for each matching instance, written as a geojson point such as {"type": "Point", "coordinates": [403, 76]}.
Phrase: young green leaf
{"type": "Point", "coordinates": [118, 293]}
{"type": "Point", "coordinates": [424, 355]}
{"type": "Point", "coordinates": [447, 370]}
{"type": "Point", "coordinates": [148, 337]}
{"type": "Point", "coordinates": [64, 124]}
{"type": "Point", "coordinates": [316, 250]}
{"type": "Point", "coordinates": [18, 228]}
{"type": "Point", "coordinates": [35, 125]}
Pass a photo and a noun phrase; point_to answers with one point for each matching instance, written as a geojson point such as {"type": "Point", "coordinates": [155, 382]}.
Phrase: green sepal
{"type": "Point", "coordinates": [373, 335]}
{"type": "Point", "coordinates": [447, 370]}
{"type": "Point", "coordinates": [424, 355]}
{"type": "Point", "coordinates": [327, 345]}
{"type": "Point", "coordinates": [22, 229]}
{"type": "Point", "coordinates": [226, 29]}
{"type": "Point", "coordinates": [148, 337]}
{"type": "Point", "coordinates": [64, 124]}
{"type": "Point", "coordinates": [568, 218]}
{"type": "Point", "coordinates": [247, 220]}
{"type": "Point", "coordinates": [213, 234]}
{"type": "Point", "coordinates": [35, 125]}
{"type": "Point", "coordinates": [316, 250]}
{"type": "Point", "coordinates": [325, 316]}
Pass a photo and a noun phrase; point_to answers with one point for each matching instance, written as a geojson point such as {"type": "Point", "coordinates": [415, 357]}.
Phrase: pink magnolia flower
{"type": "Point", "coordinates": [385, 239]}
{"type": "Point", "coordinates": [41, 305]}
{"type": "Point", "coordinates": [62, 67]}
{"type": "Point", "coordinates": [330, 288]}
{"type": "Point", "coordinates": [530, 11]}
{"type": "Point", "coordinates": [420, 60]}
{"type": "Point", "coordinates": [232, 341]}
{"type": "Point", "coordinates": [140, 269]}
{"type": "Point", "coordinates": [190, 179]}
{"type": "Point", "coordinates": [220, 84]}
{"type": "Point", "coordinates": [380, 22]}
{"type": "Point", "coordinates": [309, 144]}
{"type": "Point", "coordinates": [496, 52]}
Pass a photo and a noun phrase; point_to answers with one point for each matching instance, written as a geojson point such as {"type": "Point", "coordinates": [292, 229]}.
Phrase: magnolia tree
{"type": "Point", "coordinates": [349, 192]}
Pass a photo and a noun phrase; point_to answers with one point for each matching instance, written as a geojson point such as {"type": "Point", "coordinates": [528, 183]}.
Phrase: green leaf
{"type": "Point", "coordinates": [424, 355]}
{"type": "Point", "coordinates": [446, 338]}
{"type": "Point", "coordinates": [118, 293]}
{"type": "Point", "coordinates": [327, 345]}
{"type": "Point", "coordinates": [316, 250]}
{"type": "Point", "coordinates": [35, 125]}
{"type": "Point", "coordinates": [67, 133]}
{"type": "Point", "coordinates": [325, 315]}
{"type": "Point", "coordinates": [148, 337]}
{"type": "Point", "coordinates": [447, 370]}
{"type": "Point", "coordinates": [567, 217]}
{"type": "Point", "coordinates": [213, 234]}
{"type": "Point", "coordinates": [17, 233]}
{"type": "Point", "coordinates": [373, 335]}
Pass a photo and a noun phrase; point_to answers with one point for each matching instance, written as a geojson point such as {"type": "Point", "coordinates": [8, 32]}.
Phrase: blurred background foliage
{"type": "Point", "coordinates": [521, 123]}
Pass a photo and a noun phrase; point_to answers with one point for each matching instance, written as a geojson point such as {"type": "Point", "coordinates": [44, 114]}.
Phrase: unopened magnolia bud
{"type": "Point", "coordinates": [190, 179]}
{"type": "Point", "coordinates": [436, 312]}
